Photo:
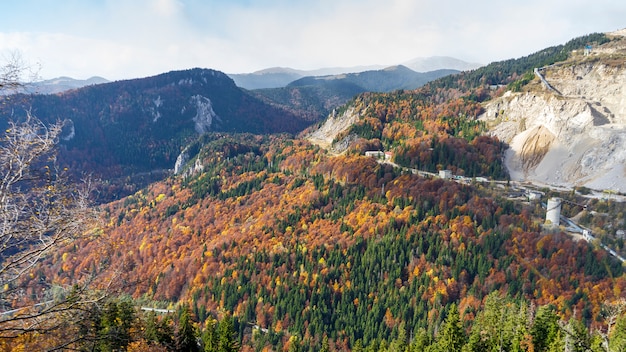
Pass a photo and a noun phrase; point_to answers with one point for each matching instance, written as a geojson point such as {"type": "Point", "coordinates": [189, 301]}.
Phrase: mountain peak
{"type": "Point", "coordinates": [276, 77]}
{"type": "Point", "coordinates": [433, 63]}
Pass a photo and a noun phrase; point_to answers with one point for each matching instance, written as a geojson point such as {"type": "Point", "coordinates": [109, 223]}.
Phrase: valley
{"type": "Point", "coordinates": [400, 220]}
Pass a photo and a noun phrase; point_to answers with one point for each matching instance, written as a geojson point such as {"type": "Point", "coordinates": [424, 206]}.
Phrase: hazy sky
{"type": "Point", "coordinates": [119, 39]}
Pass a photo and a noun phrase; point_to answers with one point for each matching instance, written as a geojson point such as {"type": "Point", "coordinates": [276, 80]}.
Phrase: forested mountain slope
{"type": "Point", "coordinates": [319, 249]}
{"type": "Point", "coordinates": [120, 129]}
{"type": "Point", "coordinates": [315, 97]}
{"type": "Point", "coordinates": [301, 243]}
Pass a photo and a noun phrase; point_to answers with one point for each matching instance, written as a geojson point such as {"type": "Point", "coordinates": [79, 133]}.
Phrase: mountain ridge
{"type": "Point", "coordinates": [121, 128]}
{"type": "Point", "coordinates": [277, 77]}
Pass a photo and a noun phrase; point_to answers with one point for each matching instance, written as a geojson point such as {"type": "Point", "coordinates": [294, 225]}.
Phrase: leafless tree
{"type": "Point", "coordinates": [40, 211]}
{"type": "Point", "coordinates": [15, 74]}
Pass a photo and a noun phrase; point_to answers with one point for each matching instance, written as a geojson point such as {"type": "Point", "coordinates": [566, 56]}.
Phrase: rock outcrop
{"type": "Point", "coordinates": [334, 125]}
{"type": "Point", "coordinates": [574, 135]}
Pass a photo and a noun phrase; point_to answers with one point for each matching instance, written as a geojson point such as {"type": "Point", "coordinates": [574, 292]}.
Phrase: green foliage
{"type": "Point", "coordinates": [187, 334]}
{"type": "Point", "coordinates": [210, 337]}
{"type": "Point", "coordinates": [507, 71]}
{"type": "Point", "coordinates": [545, 330]}
{"type": "Point", "coordinates": [159, 331]}
{"type": "Point", "coordinates": [116, 324]}
{"type": "Point", "coordinates": [618, 335]}
{"type": "Point", "coordinates": [517, 85]}
{"type": "Point", "coordinates": [226, 338]}
{"type": "Point", "coordinates": [452, 337]}
{"type": "Point", "coordinates": [108, 328]}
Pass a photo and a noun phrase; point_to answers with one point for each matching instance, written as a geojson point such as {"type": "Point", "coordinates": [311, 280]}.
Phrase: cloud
{"type": "Point", "coordinates": [125, 39]}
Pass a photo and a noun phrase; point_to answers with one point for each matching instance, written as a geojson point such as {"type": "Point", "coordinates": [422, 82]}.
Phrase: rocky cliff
{"type": "Point", "coordinates": [571, 132]}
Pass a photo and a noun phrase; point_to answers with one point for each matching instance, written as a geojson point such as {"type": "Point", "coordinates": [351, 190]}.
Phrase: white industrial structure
{"type": "Point", "coordinates": [553, 213]}
{"type": "Point", "coordinates": [445, 174]}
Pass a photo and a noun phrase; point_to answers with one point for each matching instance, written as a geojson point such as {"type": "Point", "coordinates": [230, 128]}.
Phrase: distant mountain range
{"type": "Point", "coordinates": [314, 97]}
{"type": "Point", "coordinates": [278, 77]}
{"type": "Point", "coordinates": [433, 63]}
{"type": "Point", "coordinates": [131, 127]}
{"type": "Point", "coordinates": [61, 84]}
{"type": "Point", "coordinates": [385, 80]}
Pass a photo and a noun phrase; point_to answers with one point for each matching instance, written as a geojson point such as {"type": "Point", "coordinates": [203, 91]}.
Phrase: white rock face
{"type": "Point", "coordinates": [155, 113]}
{"type": "Point", "coordinates": [333, 126]}
{"type": "Point", "coordinates": [204, 114]}
{"type": "Point", "coordinates": [181, 160]}
{"type": "Point", "coordinates": [577, 138]}
{"type": "Point", "coordinates": [69, 131]}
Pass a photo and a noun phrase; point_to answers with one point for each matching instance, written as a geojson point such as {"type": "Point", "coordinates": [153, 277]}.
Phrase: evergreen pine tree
{"type": "Point", "coordinates": [209, 337]}
{"type": "Point", "coordinates": [325, 345]}
{"type": "Point", "coordinates": [226, 341]}
{"type": "Point", "coordinates": [545, 329]}
{"type": "Point", "coordinates": [294, 344]}
{"type": "Point", "coordinates": [618, 335]}
{"type": "Point", "coordinates": [358, 346]}
{"type": "Point", "coordinates": [452, 336]}
{"type": "Point", "coordinates": [186, 336]}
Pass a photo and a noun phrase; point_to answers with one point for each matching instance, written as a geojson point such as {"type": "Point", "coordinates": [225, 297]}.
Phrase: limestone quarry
{"type": "Point", "coordinates": [565, 129]}
{"type": "Point", "coordinates": [570, 129]}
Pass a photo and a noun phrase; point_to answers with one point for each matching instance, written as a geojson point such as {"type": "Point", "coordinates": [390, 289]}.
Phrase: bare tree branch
{"type": "Point", "coordinates": [15, 75]}
{"type": "Point", "coordinates": [40, 212]}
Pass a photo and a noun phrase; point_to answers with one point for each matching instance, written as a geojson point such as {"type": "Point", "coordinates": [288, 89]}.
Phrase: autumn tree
{"type": "Point", "coordinates": [14, 72]}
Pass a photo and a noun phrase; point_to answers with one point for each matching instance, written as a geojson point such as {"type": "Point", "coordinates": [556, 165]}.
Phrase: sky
{"type": "Point", "coordinates": [123, 39]}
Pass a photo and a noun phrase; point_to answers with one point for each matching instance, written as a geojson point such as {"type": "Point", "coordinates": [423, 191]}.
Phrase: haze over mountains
{"type": "Point", "coordinates": [274, 77]}
{"type": "Point", "coordinates": [279, 77]}
{"type": "Point", "coordinates": [61, 84]}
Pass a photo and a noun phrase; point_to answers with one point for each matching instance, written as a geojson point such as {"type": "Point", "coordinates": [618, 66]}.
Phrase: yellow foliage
{"type": "Point", "coordinates": [442, 290]}
{"type": "Point", "coordinates": [160, 197]}
{"type": "Point", "coordinates": [416, 271]}
{"type": "Point", "coordinates": [185, 230]}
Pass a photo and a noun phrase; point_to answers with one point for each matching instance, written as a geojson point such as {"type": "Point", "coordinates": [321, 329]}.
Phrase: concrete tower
{"type": "Point", "coordinates": [553, 212]}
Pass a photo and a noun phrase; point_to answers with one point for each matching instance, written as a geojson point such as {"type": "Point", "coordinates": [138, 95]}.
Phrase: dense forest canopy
{"type": "Point", "coordinates": [268, 242]}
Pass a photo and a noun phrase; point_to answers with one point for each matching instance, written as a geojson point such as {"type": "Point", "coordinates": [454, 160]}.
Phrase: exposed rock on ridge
{"type": "Point", "coordinates": [332, 127]}
{"type": "Point", "coordinates": [577, 137]}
